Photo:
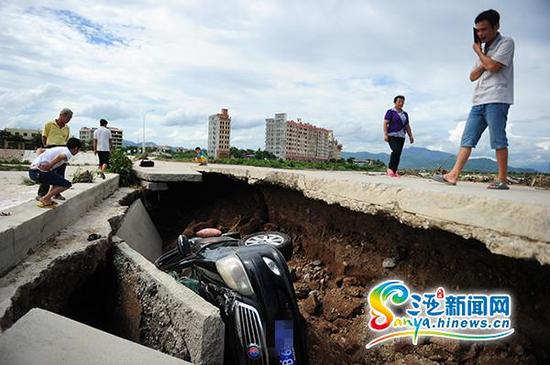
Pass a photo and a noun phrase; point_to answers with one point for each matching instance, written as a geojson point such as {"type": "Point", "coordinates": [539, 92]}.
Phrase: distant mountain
{"type": "Point", "coordinates": [127, 143]}
{"type": "Point", "coordinates": [423, 158]}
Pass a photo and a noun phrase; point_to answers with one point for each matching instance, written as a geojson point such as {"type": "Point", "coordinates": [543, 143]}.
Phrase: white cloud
{"type": "Point", "coordinates": [455, 134]}
{"type": "Point", "coordinates": [334, 64]}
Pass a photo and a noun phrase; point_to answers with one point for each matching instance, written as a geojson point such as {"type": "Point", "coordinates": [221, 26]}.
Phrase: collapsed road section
{"type": "Point", "coordinates": [341, 253]}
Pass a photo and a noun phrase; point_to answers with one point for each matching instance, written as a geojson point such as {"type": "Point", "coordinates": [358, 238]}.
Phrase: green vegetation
{"type": "Point", "coordinates": [266, 159]}
{"type": "Point", "coordinates": [11, 167]}
{"type": "Point", "coordinates": [85, 176]}
{"type": "Point", "coordinates": [180, 156]}
{"type": "Point", "coordinates": [336, 165]}
{"type": "Point", "coordinates": [14, 161]}
{"type": "Point", "coordinates": [122, 165]}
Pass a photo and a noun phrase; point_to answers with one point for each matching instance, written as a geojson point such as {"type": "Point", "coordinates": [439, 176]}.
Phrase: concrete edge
{"type": "Point", "coordinates": [32, 338]}
{"type": "Point", "coordinates": [208, 326]}
{"type": "Point", "coordinates": [156, 176]}
{"type": "Point", "coordinates": [529, 244]}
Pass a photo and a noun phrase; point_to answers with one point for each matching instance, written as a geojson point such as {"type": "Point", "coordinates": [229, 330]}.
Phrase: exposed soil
{"type": "Point", "coordinates": [338, 259]}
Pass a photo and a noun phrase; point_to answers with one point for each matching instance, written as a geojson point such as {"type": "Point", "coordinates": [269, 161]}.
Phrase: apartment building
{"type": "Point", "coordinates": [87, 135]}
{"type": "Point", "coordinates": [219, 130]}
{"type": "Point", "coordinates": [296, 140]}
{"type": "Point", "coordinates": [20, 138]}
{"type": "Point", "coordinates": [275, 135]}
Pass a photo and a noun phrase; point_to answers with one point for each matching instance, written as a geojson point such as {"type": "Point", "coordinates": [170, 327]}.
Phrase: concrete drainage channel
{"type": "Point", "coordinates": [108, 285]}
{"type": "Point", "coordinates": [340, 255]}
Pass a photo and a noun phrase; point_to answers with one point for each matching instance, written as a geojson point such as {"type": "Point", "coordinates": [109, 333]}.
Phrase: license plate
{"type": "Point", "coordinates": [284, 341]}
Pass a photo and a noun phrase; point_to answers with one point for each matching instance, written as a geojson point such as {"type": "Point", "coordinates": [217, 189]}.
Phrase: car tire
{"type": "Point", "coordinates": [281, 241]}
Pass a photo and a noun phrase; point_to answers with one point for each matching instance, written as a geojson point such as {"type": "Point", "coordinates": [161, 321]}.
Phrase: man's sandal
{"type": "Point", "coordinates": [498, 185]}
{"type": "Point", "coordinates": [441, 179]}
{"type": "Point", "coordinates": [43, 205]}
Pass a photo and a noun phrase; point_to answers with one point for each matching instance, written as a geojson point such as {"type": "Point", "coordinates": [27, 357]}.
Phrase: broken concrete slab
{"type": "Point", "coordinates": [514, 223]}
{"type": "Point", "coordinates": [152, 308]}
{"type": "Point", "coordinates": [49, 276]}
{"type": "Point", "coordinates": [139, 231]}
{"type": "Point", "coordinates": [43, 337]}
{"type": "Point", "coordinates": [163, 314]}
{"type": "Point", "coordinates": [164, 172]}
{"type": "Point", "coordinates": [154, 186]}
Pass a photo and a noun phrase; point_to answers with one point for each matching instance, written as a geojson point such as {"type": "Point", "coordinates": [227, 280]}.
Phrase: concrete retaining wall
{"type": "Point", "coordinates": [28, 225]}
{"type": "Point", "coordinates": [156, 311]}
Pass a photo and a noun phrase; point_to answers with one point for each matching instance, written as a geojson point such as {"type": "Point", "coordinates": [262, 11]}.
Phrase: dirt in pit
{"type": "Point", "coordinates": [339, 256]}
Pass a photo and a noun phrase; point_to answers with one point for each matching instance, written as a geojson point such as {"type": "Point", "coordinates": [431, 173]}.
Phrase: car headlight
{"type": "Point", "coordinates": [272, 265]}
{"type": "Point", "coordinates": [231, 270]}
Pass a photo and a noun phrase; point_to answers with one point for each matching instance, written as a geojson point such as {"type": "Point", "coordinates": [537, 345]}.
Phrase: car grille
{"type": "Point", "coordinates": [250, 331]}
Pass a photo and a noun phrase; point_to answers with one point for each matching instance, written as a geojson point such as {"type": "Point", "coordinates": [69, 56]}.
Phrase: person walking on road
{"type": "Point", "coordinates": [56, 134]}
{"type": "Point", "coordinates": [493, 94]}
{"type": "Point", "coordinates": [396, 127]}
{"type": "Point", "coordinates": [103, 144]}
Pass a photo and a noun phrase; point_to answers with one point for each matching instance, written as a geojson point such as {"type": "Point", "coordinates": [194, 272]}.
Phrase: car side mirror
{"type": "Point", "coordinates": [184, 247]}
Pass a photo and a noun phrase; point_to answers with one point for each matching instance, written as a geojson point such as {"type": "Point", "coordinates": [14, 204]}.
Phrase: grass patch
{"type": "Point", "coordinates": [85, 176]}
{"type": "Point", "coordinates": [10, 167]}
{"type": "Point", "coordinates": [370, 165]}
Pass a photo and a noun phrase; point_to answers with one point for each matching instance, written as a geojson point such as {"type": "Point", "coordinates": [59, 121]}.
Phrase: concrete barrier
{"type": "Point", "coordinates": [139, 231]}
{"type": "Point", "coordinates": [46, 338]}
{"type": "Point", "coordinates": [28, 225]}
{"type": "Point", "coordinates": [160, 313]}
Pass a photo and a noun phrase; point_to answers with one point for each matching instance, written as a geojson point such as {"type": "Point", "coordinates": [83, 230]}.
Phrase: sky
{"type": "Point", "coordinates": [335, 64]}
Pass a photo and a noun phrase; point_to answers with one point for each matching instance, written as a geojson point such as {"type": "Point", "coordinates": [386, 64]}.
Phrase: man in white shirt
{"type": "Point", "coordinates": [43, 166]}
{"type": "Point", "coordinates": [493, 95]}
{"type": "Point", "coordinates": [103, 143]}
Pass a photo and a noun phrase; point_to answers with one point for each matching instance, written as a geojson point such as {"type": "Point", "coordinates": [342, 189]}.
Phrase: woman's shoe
{"type": "Point", "coordinates": [390, 173]}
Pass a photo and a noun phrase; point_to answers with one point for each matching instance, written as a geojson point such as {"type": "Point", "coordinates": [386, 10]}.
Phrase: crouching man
{"type": "Point", "coordinates": [41, 170]}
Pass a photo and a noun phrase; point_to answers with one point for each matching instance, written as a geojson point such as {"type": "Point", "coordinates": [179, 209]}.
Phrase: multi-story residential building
{"type": "Point", "coordinates": [295, 140]}
{"type": "Point", "coordinates": [275, 135]}
{"type": "Point", "coordinates": [219, 128]}
{"type": "Point", "coordinates": [117, 135]}
{"type": "Point", "coordinates": [87, 135]}
{"type": "Point", "coordinates": [20, 138]}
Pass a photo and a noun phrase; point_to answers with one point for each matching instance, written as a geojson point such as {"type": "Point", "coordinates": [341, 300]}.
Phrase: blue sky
{"type": "Point", "coordinates": [332, 63]}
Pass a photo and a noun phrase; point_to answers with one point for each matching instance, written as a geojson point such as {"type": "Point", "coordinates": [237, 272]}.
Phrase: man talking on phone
{"type": "Point", "coordinates": [493, 74]}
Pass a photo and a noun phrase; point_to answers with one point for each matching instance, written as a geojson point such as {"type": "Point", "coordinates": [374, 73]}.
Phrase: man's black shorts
{"type": "Point", "coordinates": [103, 157]}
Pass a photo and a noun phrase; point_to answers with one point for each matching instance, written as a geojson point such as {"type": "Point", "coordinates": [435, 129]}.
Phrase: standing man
{"type": "Point", "coordinates": [493, 95]}
{"type": "Point", "coordinates": [103, 143]}
{"type": "Point", "coordinates": [56, 134]}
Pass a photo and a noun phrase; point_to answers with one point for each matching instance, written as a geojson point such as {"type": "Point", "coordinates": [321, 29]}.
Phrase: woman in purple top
{"type": "Point", "coordinates": [396, 126]}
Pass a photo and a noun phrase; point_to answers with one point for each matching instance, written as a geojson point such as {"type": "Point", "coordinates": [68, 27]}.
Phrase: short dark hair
{"type": "Point", "coordinates": [102, 122]}
{"type": "Point", "coordinates": [74, 143]}
{"type": "Point", "coordinates": [398, 97]}
{"type": "Point", "coordinates": [197, 148]}
{"type": "Point", "coordinates": [492, 16]}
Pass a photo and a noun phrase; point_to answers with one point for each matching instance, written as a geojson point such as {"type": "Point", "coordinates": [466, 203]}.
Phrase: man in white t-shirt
{"type": "Point", "coordinates": [493, 95]}
{"type": "Point", "coordinates": [103, 143]}
{"type": "Point", "coordinates": [43, 166]}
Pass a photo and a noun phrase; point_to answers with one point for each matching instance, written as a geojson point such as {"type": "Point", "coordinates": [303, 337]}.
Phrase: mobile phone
{"type": "Point", "coordinates": [476, 37]}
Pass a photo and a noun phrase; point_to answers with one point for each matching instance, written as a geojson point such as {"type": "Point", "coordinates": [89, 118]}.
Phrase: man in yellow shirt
{"type": "Point", "coordinates": [55, 134]}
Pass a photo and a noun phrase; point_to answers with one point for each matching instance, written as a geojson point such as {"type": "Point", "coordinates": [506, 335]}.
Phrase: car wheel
{"type": "Point", "coordinates": [279, 240]}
